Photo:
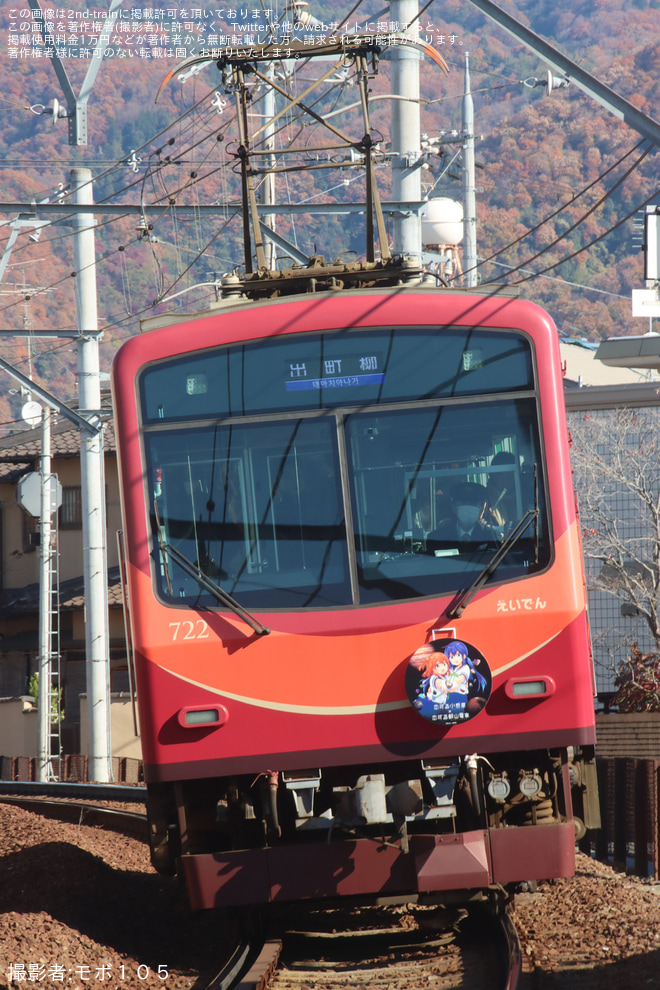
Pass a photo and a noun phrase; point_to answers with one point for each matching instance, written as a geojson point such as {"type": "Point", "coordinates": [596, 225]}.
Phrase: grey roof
{"type": "Point", "coordinates": [21, 451]}
{"type": "Point", "coordinates": [584, 368]}
{"type": "Point", "coordinates": [25, 601]}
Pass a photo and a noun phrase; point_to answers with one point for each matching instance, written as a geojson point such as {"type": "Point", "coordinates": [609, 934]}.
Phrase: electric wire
{"type": "Point", "coordinates": [596, 240]}
{"type": "Point", "coordinates": [12, 105]}
{"type": "Point", "coordinates": [122, 247]}
{"type": "Point", "coordinates": [598, 203]}
{"type": "Point", "coordinates": [122, 162]}
{"type": "Point", "coordinates": [565, 281]}
{"type": "Point", "coordinates": [159, 174]}
{"type": "Point", "coordinates": [561, 208]}
{"type": "Point", "coordinates": [179, 120]}
{"type": "Point", "coordinates": [104, 200]}
{"type": "Point", "coordinates": [163, 291]}
{"type": "Point", "coordinates": [187, 184]}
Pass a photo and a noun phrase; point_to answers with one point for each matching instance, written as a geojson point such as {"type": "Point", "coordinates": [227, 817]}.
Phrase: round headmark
{"type": "Point", "coordinates": [448, 681]}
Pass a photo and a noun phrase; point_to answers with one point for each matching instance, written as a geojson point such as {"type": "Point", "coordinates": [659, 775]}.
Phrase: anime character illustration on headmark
{"type": "Point", "coordinates": [448, 681]}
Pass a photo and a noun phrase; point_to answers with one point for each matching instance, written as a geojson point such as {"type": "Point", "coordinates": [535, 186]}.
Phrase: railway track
{"type": "Point", "coordinates": [336, 948]}
{"type": "Point", "coordinates": [598, 929]}
{"type": "Point", "coordinates": [389, 949]}
{"type": "Point", "coordinates": [84, 813]}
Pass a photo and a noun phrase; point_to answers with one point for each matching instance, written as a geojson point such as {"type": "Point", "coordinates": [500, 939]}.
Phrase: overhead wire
{"type": "Point", "coordinates": [564, 281]}
{"type": "Point", "coordinates": [101, 202]}
{"type": "Point", "coordinates": [563, 206]}
{"type": "Point", "coordinates": [41, 290]}
{"type": "Point", "coordinates": [127, 186]}
{"type": "Point", "coordinates": [121, 163]}
{"type": "Point", "coordinates": [188, 184]}
{"type": "Point", "coordinates": [161, 290]}
{"type": "Point", "coordinates": [582, 219]}
{"type": "Point", "coordinates": [13, 106]}
{"type": "Point", "coordinates": [157, 172]}
{"type": "Point", "coordinates": [181, 188]}
{"type": "Point", "coordinates": [151, 140]}
{"type": "Point", "coordinates": [595, 240]}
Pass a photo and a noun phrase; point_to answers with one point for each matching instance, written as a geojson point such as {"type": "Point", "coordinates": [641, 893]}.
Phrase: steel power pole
{"type": "Point", "coordinates": [406, 137]}
{"type": "Point", "coordinates": [92, 474]}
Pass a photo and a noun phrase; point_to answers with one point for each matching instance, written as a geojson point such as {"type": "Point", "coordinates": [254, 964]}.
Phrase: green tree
{"type": "Point", "coordinates": [56, 711]}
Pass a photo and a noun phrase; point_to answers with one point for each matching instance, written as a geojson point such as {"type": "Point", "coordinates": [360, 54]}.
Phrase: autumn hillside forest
{"type": "Point", "coordinates": [555, 173]}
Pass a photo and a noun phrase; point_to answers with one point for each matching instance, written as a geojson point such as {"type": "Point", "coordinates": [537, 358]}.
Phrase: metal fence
{"type": "Point", "coordinates": [69, 769]}
{"type": "Point", "coordinates": [629, 794]}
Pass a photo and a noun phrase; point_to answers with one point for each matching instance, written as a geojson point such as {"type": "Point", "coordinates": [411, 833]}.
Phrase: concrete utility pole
{"type": "Point", "coordinates": [267, 191]}
{"type": "Point", "coordinates": [92, 474]}
{"type": "Point", "coordinates": [470, 259]}
{"type": "Point", "coordinates": [406, 137]}
{"type": "Point", "coordinates": [44, 762]}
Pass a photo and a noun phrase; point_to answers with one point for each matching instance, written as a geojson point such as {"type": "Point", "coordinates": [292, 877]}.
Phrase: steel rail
{"type": "Point", "coordinates": [260, 972]}
{"type": "Point", "coordinates": [95, 792]}
{"type": "Point", "coordinates": [491, 916]}
{"type": "Point", "coordinates": [116, 819]}
{"type": "Point", "coordinates": [514, 953]}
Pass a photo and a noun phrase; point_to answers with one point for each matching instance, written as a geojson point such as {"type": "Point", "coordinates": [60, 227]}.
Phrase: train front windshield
{"type": "Point", "coordinates": [344, 468]}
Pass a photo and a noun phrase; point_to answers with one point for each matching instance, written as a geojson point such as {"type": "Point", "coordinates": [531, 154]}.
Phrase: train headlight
{"type": "Point", "coordinates": [198, 717]}
{"type": "Point", "coordinates": [529, 688]}
{"type": "Point", "coordinates": [530, 784]}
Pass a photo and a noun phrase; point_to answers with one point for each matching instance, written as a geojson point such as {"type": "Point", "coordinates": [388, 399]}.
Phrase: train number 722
{"type": "Point", "coordinates": [189, 629]}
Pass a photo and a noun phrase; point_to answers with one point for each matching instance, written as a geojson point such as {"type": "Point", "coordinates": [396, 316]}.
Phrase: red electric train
{"type": "Point", "coordinates": [356, 596]}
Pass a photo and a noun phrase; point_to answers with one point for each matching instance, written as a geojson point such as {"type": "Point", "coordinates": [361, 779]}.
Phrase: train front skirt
{"type": "Point", "coordinates": [457, 861]}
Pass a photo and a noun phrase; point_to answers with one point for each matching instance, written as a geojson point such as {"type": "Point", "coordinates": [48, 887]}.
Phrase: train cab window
{"type": "Point", "coordinates": [258, 508]}
{"type": "Point", "coordinates": [342, 468]}
{"type": "Point", "coordinates": [434, 498]}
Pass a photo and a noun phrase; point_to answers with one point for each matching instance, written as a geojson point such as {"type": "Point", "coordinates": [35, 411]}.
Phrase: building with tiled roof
{"type": "Point", "coordinates": [20, 561]}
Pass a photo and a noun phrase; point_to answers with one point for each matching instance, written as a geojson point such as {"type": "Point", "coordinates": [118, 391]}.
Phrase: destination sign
{"type": "Point", "coordinates": [348, 371]}
{"type": "Point", "coordinates": [349, 367]}
{"type": "Point", "coordinates": [302, 385]}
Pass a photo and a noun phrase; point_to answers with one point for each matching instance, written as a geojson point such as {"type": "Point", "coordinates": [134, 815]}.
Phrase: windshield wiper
{"type": "Point", "coordinates": [194, 571]}
{"type": "Point", "coordinates": [466, 596]}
